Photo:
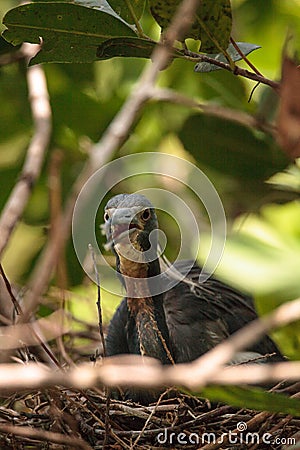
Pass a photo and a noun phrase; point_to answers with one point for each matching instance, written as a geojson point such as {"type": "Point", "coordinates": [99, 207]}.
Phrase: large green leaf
{"type": "Point", "coordinates": [231, 148]}
{"type": "Point", "coordinates": [70, 33]}
{"type": "Point", "coordinates": [216, 17]}
{"type": "Point", "coordinates": [253, 398]}
{"type": "Point", "coordinates": [212, 23]}
{"type": "Point", "coordinates": [124, 7]}
{"type": "Point", "coordinates": [5, 47]}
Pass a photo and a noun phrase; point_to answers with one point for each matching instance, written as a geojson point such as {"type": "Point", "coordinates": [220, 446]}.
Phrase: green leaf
{"type": "Point", "coordinates": [231, 148]}
{"type": "Point", "coordinates": [70, 33]}
{"type": "Point", "coordinates": [253, 398]}
{"type": "Point", "coordinates": [245, 47]}
{"type": "Point", "coordinates": [216, 16]}
{"type": "Point", "coordinates": [265, 264]}
{"type": "Point", "coordinates": [128, 47]}
{"type": "Point", "coordinates": [123, 8]}
{"type": "Point", "coordinates": [5, 47]}
{"type": "Point", "coordinates": [212, 22]}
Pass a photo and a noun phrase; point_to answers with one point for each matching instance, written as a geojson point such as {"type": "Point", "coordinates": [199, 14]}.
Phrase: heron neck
{"type": "Point", "coordinates": [146, 310]}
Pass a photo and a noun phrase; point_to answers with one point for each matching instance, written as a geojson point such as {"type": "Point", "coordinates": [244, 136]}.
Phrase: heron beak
{"type": "Point", "coordinates": [122, 224]}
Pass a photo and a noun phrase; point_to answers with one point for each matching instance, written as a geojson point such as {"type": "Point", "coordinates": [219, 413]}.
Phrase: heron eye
{"type": "Point", "coordinates": [146, 214]}
{"type": "Point", "coordinates": [106, 216]}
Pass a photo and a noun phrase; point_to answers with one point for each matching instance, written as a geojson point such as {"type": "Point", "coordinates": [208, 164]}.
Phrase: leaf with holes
{"type": "Point", "coordinates": [70, 33]}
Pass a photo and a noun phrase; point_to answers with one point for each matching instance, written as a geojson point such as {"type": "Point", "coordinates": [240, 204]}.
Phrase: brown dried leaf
{"type": "Point", "coordinates": [289, 109]}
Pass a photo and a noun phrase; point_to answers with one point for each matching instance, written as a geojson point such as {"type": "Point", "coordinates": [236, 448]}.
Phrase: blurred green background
{"type": "Point", "coordinates": [258, 186]}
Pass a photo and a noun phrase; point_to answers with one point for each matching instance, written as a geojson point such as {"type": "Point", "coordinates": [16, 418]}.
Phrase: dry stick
{"type": "Point", "coordinates": [119, 129]}
{"type": "Point", "coordinates": [44, 436]}
{"type": "Point", "coordinates": [13, 57]}
{"type": "Point", "coordinates": [41, 115]}
{"type": "Point", "coordinates": [252, 424]}
{"type": "Point", "coordinates": [97, 419]}
{"type": "Point", "coordinates": [19, 311]}
{"type": "Point", "coordinates": [149, 419]}
{"type": "Point", "coordinates": [98, 303]}
{"type": "Point", "coordinates": [100, 323]}
{"type": "Point", "coordinates": [15, 302]}
{"type": "Point", "coordinates": [168, 95]}
{"type": "Point", "coordinates": [132, 371]}
{"type": "Point", "coordinates": [113, 138]}
{"type": "Point", "coordinates": [116, 134]}
{"type": "Point", "coordinates": [55, 201]}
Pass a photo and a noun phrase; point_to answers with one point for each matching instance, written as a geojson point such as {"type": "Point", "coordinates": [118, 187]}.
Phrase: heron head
{"type": "Point", "coordinates": [130, 224]}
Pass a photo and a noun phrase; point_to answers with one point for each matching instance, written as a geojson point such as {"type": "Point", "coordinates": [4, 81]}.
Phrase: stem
{"type": "Point", "coordinates": [135, 19]}
{"type": "Point", "coordinates": [244, 57]}
{"type": "Point", "coordinates": [215, 41]}
{"type": "Point", "coordinates": [196, 57]}
{"type": "Point", "coordinates": [98, 303]}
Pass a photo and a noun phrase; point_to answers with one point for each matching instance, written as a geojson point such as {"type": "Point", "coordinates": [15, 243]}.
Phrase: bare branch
{"type": "Point", "coordinates": [50, 327]}
{"type": "Point", "coordinates": [135, 370]}
{"type": "Point", "coordinates": [41, 114]}
{"type": "Point", "coordinates": [196, 57]}
{"type": "Point", "coordinates": [113, 138]}
{"type": "Point", "coordinates": [45, 436]}
{"type": "Point", "coordinates": [168, 95]}
{"type": "Point", "coordinates": [119, 129]}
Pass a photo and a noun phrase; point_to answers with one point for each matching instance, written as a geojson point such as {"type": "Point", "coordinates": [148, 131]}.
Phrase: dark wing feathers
{"type": "Point", "coordinates": [198, 319]}
{"type": "Point", "coordinates": [116, 339]}
{"type": "Point", "coordinates": [201, 319]}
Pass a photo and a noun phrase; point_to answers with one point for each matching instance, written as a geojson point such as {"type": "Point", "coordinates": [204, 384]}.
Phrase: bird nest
{"type": "Point", "coordinates": [65, 419]}
{"type": "Point", "coordinates": [61, 418]}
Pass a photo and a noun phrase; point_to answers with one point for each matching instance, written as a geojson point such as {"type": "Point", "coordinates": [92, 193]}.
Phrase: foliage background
{"type": "Point", "coordinates": [263, 248]}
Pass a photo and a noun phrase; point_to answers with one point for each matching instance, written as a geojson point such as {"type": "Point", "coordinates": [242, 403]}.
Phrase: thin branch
{"type": "Point", "coordinates": [129, 371]}
{"type": "Point", "coordinates": [116, 134]}
{"type": "Point", "coordinates": [252, 424]}
{"type": "Point", "coordinates": [12, 57]}
{"type": "Point", "coordinates": [52, 326]}
{"type": "Point", "coordinates": [244, 57]}
{"type": "Point", "coordinates": [119, 129]}
{"type": "Point", "coordinates": [16, 334]}
{"type": "Point", "coordinates": [197, 57]}
{"type": "Point", "coordinates": [98, 303]}
{"type": "Point", "coordinates": [134, 370]}
{"type": "Point", "coordinates": [15, 302]}
{"type": "Point", "coordinates": [41, 114]}
{"type": "Point", "coordinates": [168, 95]}
{"type": "Point", "coordinates": [45, 436]}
